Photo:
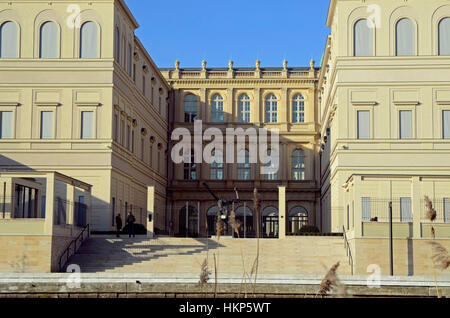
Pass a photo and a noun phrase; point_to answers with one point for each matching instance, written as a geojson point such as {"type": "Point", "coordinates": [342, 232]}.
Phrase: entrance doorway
{"type": "Point", "coordinates": [270, 224]}
{"type": "Point", "coordinates": [188, 222]}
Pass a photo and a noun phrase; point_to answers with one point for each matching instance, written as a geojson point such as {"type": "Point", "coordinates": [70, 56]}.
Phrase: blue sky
{"type": "Point", "coordinates": [242, 30]}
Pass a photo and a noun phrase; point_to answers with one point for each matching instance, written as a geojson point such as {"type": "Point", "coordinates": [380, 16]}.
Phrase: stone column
{"type": "Point", "coordinates": [150, 211]}
{"type": "Point", "coordinates": [202, 107]}
{"type": "Point", "coordinates": [416, 199]}
{"type": "Point", "coordinates": [256, 107]}
{"type": "Point", "coordinates": [228, 108]}
{"type": "Point", "coordinates": [49, 204]}
{"type": "Point", "coordinates": [282, 212]}
{"type": "Point", "coordinates": [358, 206]}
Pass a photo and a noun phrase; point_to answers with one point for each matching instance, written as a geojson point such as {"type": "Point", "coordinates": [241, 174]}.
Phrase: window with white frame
{"type": "Point", "coordinates": [298, 109]}
{"type": "Point", "coordinates": [87, 124]}
{"type": "Point", "coordinates": [446, 124]}
{"type": "Point", "coordinates": [405, 42]}
{"type": "Point", "coordinates": [46, 125]}
{"type": "Point", "coordinates": [444, 36]}
{"type": "Point", "coordinates": [244, 108]}
{"type": "Point", "coordinates": [244, 167]}
{"type": "Point", "coordinates": [6, 125]}
{"type": "Point", "coordinates": [405, 123]}
{"type": "Point", "coordinates": [298, 165]}
{"type": "Point", "coordinates": [217, 109]}
{"type": "Point", "coordinates": [363, 38]}
{"type": "Point", "coordinates": [9, 40]}
{"type": "Point", "coordinates": [406, 210]}
{"type": "Point", "coordinates": [89, 40]}
{"type": "Point", "coordinates": [48, 46]}
{"type": "Point", "coordinates": [217, 165]}
{"type": "Point", "coordinates": [363, 118]}
{"type": "Point", "coordinates": [190, 108]}
{"type": "Point", "coordinates": [271, 109]}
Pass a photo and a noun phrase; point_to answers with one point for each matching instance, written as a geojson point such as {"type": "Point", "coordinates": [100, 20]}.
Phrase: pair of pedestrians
{"type": "Point", "coordinates": [130, 222]}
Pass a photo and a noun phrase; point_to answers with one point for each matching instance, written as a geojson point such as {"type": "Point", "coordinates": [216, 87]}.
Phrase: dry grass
{"type": "Point", "coordinates": [235, 224]}
{"type": "Point", "coordinates": [331, 283]}
{"type": "Point", "coordinates": [431, 212]}
{"type": "Point", "coordinates": [204, 274]}
{"type": "Point", "coordinates": [440, 256]}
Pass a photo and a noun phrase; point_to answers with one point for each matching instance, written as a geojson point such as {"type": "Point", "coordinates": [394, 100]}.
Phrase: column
{"type": "Point", "coordinates": [203, 106]}
{"type": "Point", "coordinates": [416, 208]}
{"type": "Point", "coordinates": [283, 107]}
{"type": "Point", "coordinates": [282, 211]}
{"type": "Point", "coordinates": [49, 203]}
{"type": "Point", "coordinates": [358, 206]}
{"type": "Point", "coordinates": [256, 107]}
{"type": "Point", "coordinates": [150, 211]}
{"type": "Point", "coordinates": [229, 113]}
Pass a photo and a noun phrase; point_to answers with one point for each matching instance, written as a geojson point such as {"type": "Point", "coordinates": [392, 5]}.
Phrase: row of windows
{"type": "Point", "coordinates": [298, 160]}
{"type": "Point", "coordinates": [124, 134]}
{"type": "Point", "coordinates": [49, 40]}
{"type": "Point", "coordinates": [47, 125]}
{"type": "Point", "coordinates": [244, 109]}
{"type": "Point", "coordinates": [405, 124]}
{"type": "Point", "coordinates": [405, 37]}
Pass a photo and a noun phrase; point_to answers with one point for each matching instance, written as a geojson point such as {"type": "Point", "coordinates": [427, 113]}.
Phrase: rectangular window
{"type": "Point", "coordinates": [142, 149]}
{"type": "Point", "coordinates": [132, 141]}
{"type": "Point", "coordinates": [406, 210]}
{"type": "Point", "coordinates": [447, 210]}
{"type": "Point", "coordinates": [150, 159]}
{"type": "Point", "coordinates": [406, 124]}
{"type": "Point", "coordinates": [446, 124]}
{"type": "Point", "coordinates": [366, 210]}
{"type": "Point", "coordinates": [113, 211]}
{"type": "Point", "coordinates": [143, 85]}
{"type": "Point", "coordinates": [363, 124]}
{"type": "Point", "coordinates": [129, 60]}
{"type": "Point", "coordinates": [134, 72]}
{"type": "Point", "coordinates": [116, 127]}
{"type": "Point", "coordinates": [87, 125]}
{"type": "Point", "coordinates": [122, 131]}
{"type": "Point", "coordinates": [128, 136]}
{"type": "Point", "coordinates": [6, 121]}
{"type": "Point", "coordinates": [46, 125]}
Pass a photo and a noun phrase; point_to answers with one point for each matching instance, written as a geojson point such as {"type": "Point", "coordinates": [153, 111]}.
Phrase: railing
{"type": "Point", "coordinates": [348, 249]}
{"type": "Point", "coordinates": [73, 246]}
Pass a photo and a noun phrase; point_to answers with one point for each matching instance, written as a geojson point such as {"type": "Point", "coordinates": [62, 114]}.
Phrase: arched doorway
{"type": "Point", "coordinates": [211, 215]}
{"type": "Point", "coordinates": [245, 216]}
{"type": "Point", "coordinates": [298, 217]}
{"type": "Point", "coordinates": [188, 223]}
{"type": "Point", "coordinates": [270, 224]}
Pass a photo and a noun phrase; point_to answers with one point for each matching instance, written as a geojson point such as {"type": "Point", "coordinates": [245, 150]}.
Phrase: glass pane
{"type": "Point", "coordinates": [446, 124]}
{"type": "Point", "coordinates": [87, 125]}
{"type": "Point", "coordinates": [89, 40]}
{"type": "Point", "coordinates": [6, 125]}
{"type": "Point", "coordinates": [46, 125]}
{"type": "Point", "coordinates": [8, 40]}
{"type": "Point", "coordinates": [363, 38]}
{"type": "Point", "coordinates": [363, 124]}
{"type": "Point", "coordinates": [405, 124]}
{"type": "Point", "coordinates": [405, 42]}
{"type": "Point", "coordinates": [49, 40]}
{"type": "Point", "coordinates": [444, 37]}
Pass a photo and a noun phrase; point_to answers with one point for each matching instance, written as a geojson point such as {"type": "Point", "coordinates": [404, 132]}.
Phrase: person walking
{"type": "Point", "coordinates": [130, 221]}
{"type": "Point", "coordinates": [118, 224]}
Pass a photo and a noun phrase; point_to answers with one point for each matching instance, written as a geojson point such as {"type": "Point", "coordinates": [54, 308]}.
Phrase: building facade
{"type": "Point", "coordinates": [385, 107]}
{"type": "Point", "coordinates": [247, 98]}
{"type": "Point", "coordinates": [80, 95]}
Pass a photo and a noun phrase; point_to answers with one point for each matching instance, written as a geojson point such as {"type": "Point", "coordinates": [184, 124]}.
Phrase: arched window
{"type": "Point", "coordinates": [48, 40]}
{"type": "Point", "coordinates": [363, 38]}
{"type": "Point", "coordinates": [9, 39]}
{"type": "Point", "coordinates": [211, 216]}
{"type": "Point", "coordinates": [217, 109]}
{"type": "Point", "coordinates": [298, 217]}
{"type": "Point", "coordinates": [404, 38]}
{"type": "Point", "coordinates": [298, 109]}
{"type": "Point", "coordinates": [217, 165]}
{"type": "Point", "coordinates": [271, 109]}
{"type": "Point", "coordinates": [244, 108]}
{"type": "Point", "coordinates": [270, 224]}
{"type": "Point", "coordinates": [89, 40]}
{"type": "Point", "coordinates": [270, 164]}
{"type": "Point", "coordinates": [190, 108]}
{"type": "Point", "coordinates": [444, 36]}
{"type": "Point", "coordinates": [298, 165]}
{"type": "Point", "coordinates": [244, 165]}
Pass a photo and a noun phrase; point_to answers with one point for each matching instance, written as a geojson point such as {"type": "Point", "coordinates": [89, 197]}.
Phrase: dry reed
{"type": "Point", "coordinates": [331, 282]}
{"type": "Point", "coordinates": [440, 256]}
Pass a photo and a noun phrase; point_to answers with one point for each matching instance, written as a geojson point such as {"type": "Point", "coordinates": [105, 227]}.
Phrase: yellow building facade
{"type": "Point", "coordinates": [384, 108]}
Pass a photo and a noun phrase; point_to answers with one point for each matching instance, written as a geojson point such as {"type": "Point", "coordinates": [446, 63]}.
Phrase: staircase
{"type": "Point", "coordinates": [291, 256]}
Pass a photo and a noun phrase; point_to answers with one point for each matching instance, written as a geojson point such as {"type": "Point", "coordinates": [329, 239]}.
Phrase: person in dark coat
{"type": "Point", "coordinates": [118, 224]}
{"type": "Point", "coordinates": [130, 221]}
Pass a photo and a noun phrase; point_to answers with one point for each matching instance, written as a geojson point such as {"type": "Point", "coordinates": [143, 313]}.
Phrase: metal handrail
{"type": "Point", "coordinates": [66, 252]}
{"type": "Point", "coordinates": [348, 249]}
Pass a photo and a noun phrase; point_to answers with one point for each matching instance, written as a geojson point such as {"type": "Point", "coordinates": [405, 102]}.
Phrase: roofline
{"type": "Point", "coordinates": [239, 69]}
{"type": "Point", "coordinates": [331, 10]}
{"type": "Point", "coordinates": [128, 12]}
